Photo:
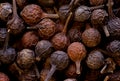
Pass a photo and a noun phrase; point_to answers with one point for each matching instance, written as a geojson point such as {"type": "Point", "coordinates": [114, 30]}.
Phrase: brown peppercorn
{"type": "Point", "coordinates": [59, 60]}
{"type": "Point", "coordinates": [5, 11]}
{"type": "Point", "coordinates": [95, 59]}
{"type": "Point", "coordinates": [83, 13]}
{"type": "Point", "coordinates": [91, 37]}
{"type": "Point", "coordinates": [29, 39]}
{"type": "Point", "coordinates": [31, 74]}
{"type": "Point", "coordinates": [32, 14]}
{"type": "Point", "coordinates": [48, 28]}
{"type": "Point", "coordinates": [16, 24]}
{"type": "Point", "coordinates": [75, 33]}
{"type": "Point", "coordinates": [109, 66]}
{"type": "Point", "coordinates": [60, 41]}
{"type": "Point", "coordinates": [77, 53]}
{"type": "Point", "coordinates": [25, 59]}
{"type": "Point", "coordinates": [114, 48]}
{"type": "Point", "coordinates": [113, 77]}
{"type": "Point", "coordinates": [43, 49]}
{"type": "Point", "coordinates": [4, 77]}
{"type": "Point", "coordinates": [98, 17]}
{"type": "Point", "coordinates": [113, 26]}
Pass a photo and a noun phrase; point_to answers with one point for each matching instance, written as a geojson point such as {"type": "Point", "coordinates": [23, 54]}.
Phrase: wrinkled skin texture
{"type": "Point", "coordinates": [31, 14]}
{"type": "Point", "coordinates": [25, 58]}
{"type": "Point", "coordinates": [114, 48]}
{"type": "Point", "coordinates": [114, 77]}
{"type": "Point", "coordinates": [60, 59]}
{"type": "Point", "coordinates": [82, 14]}
{"type": "Point", "coordinates": [29, 40]}
{"type": "Point", "coordinates": [8, 56]}
{"type": "Point", "coordinates": [74, 35]}
{"type": "Point", "coordinates": [48, 28]}
{"type": "Point", "coordinates": [91, 37]}
{"type": "Point", "coordinates": [95, 59]}
{"type": "Point", "coordinates": [114, 27]}
{"type": "Point", "coordinates": [16, 25]}
{"type": "Point", "coordinates": [98, 17]}
{"type": "Point", "coordinates": [43, 49]}
{"type": "Point", "coordinates": [76, 51]}
{"type": "Point", "coordinates": [60, 41]}
{"type": "Point", "coordinates": [5, 11]}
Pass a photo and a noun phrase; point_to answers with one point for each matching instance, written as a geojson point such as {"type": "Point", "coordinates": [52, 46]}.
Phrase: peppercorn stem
{"type": "Point", "coordinates": [106, 78]}
{"type": "Point", "coordinates": [106, 31]}
{"type": "Point", "coordinates": [49, 75]}
{"type": "Point", "coordinates": [78, 67]}
{"type": "Point", "coordinates": [14, 9]}
{"type": "Point", "coordinates": [54, 16]}
{"type": "Point", "coordinates": [66, 24]}
{"type": "Point", "coordinates": [6, 41]}
{"type": "Point", "coordinates": [103, 69]}
{"type": "Point", "coordinates": [110, 12]}
{"type": "Point", "coordinates": [96, 7]}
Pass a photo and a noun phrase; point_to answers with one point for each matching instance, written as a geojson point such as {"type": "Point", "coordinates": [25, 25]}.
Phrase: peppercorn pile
{"type": "Point", "coordinates": [59, 40]}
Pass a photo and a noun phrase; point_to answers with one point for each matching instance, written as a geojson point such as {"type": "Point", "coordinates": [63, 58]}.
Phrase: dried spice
{"type": "Point", "coordinates": [32, 14]}
{"type": "Point", "coordinates": [60, 40]}
{"type": "Point", "coordinates": [113, 26]}
{"type": "Point", "coordinates": [83, 13]}
{"type": "Point", "coordinates": [46, 28]}
{"type": "Point", "coordinates": [77, 52]}
{"type": "Point", "coordinates": [113, 77]}
{"type": "Point", "coordinates": [59, 61]}
{"type": "Point", "coordinates": [4, 77]}
{"type": "Point", "coordinates": [7, 54]}
{"type": "Point", "coordinates": [5, 11]}
{"type": "Point", "coordinates": [91, 37]}
{"type": "Point", "coordinates": [29, 39]}
{"type": "Point", "coordinates": [43, 49]}
{"type": "Point", "coordinates": [64, 10]}
{"type": "Point", "coordinates": [109, 66]}
{"type": "Point", "coordinates": [98, 17]}
{"type": "Point", "coordinates": [25, 58]}
{"type": "Point", "coordinates": [95, 59]}
{"type": "Point", "coordinates": [74, 33]}
{"type": "Point", "coordinates": [29, 75]}
{"type": "Point", "coordinates": [114, 48]}
{"type": "Point", "coordinates": [16, 24]}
